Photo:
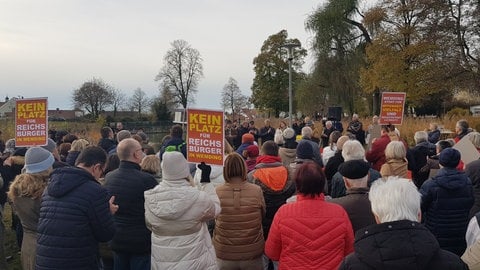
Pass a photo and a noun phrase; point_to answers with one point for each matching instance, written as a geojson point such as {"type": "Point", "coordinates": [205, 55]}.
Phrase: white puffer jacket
{"type": "Point", "coordinates": [176, 213]}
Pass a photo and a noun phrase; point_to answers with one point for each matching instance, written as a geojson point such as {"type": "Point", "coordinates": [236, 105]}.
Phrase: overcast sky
{"type": "Point", "coordinates": [50, 47]}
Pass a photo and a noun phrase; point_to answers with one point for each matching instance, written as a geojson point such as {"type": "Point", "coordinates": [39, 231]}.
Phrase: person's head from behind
{"type": "Point", "coordinates": [394, 199]}
{"type": "Point", "coordinates": [474, 137]}
{"type": "Point", "coordinates": [79, 145]}
{"type": "Point", "coordinates": [310, 179]}
{"type": "Point", "coordinates": [175, 167]}
{"type": "Point", "coordinates": [176, 131]}
{"type": "Point", "coordinates": [353, 149]}
{"type": "Point", "coordinates": [442, 145]}
{"type": "Point", "coordinates": [307, 132]}
{"type": "Point", "coordinates": [354, 117]}
{"type": "Point", "coordinates": [355, 173]}
{"type": "Point", "coordinates": [234, 168]}
{"type": "Point", "coordinates": [334, 137]}
{"type": "Point", "coordinates": [420, 136]}
{"type": "Point", "coordinates": [123, 134]}
{"type": "Point", "coordinates": [269, 148]}
{"type": "Point", "coordinates": [106, 133]}
{"type": "Point", "coordinates": [395, 150]}
{"type": "Point", "coordinates": [449, 158]}
{"type": "Point", "coordinates": [251, 152]}
{"type": "Point", "coordinates": [150, 164]}
{"type": "Point", "coordinates": [341, 141]}
{"type": "Point", "coordinates": [92, 159]}
{"type": "Point", "coordinates": [113, 162]}
{"type": "Point", "coordinates": [130, 150]}
{"type": "Point", "coordinates": [387, 128]}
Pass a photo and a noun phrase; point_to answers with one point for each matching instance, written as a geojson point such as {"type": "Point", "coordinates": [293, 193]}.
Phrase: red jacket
{"type": "Point", "coordinates": [310, 234]}
{"type": "Point", "coordinates": [376, 155]}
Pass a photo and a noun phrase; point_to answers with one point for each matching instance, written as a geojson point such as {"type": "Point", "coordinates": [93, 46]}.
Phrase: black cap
{"type": "Point", "coordinates": [354, 169]}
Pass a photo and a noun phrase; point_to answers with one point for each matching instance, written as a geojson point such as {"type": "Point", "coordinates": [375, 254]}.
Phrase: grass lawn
{"type": "Point", "coordinates": [11, 248]}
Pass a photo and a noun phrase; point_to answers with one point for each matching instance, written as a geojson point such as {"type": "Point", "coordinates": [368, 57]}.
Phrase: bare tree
{"type": "Point", "coordinates": [118, 100]}
{"type": "Point", "coordinates": [163, 105]}
{"type": "Point", "coordinates": [232, 98]}
{"type": "Point", "coordinates": [181, 72]}
{"type": "Point", "coordinates": [94, 96]}
{"type": "Point", "coordinates": [139, 101]}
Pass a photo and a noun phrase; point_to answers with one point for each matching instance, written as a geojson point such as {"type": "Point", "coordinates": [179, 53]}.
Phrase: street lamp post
{"type": "Point", "coordinates": [290, 47]}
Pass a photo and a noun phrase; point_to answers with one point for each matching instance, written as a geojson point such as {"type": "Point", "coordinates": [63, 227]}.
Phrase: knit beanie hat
{"type": "Point", "coordinates": [449, 158]}
{"type": "Point", "coordinates": [10, 146]}
{"type": "Point", "coordinates": [37, 160]}
{"type": "Point", "coordinates": [304, 150]}
{"type": "Point", "coordinates": [174, 166]}
{"type": "Point", "coordinates": [288, 133]}
{"type": "Point", "coordinates": [252, 151]}
{"type": "Point", "coordinates": [247, 138]}
{"type": "Point", "coordinates": [50, 146]}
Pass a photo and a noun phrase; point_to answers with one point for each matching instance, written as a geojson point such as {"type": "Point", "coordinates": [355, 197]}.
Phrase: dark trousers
{"type": "Point", "coordinates": [128, 261]}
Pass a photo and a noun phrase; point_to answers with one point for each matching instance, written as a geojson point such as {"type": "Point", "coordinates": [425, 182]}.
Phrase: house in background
{"type": "Point", "coordinates": [7, 110]}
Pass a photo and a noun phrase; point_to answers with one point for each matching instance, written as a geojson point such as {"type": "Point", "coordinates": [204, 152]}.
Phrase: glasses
{"type": "Point", "coordinates": [102, 168]}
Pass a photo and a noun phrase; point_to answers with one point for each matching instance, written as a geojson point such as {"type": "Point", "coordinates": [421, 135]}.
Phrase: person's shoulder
{"type": "Point", "coordinates": [444, 259]}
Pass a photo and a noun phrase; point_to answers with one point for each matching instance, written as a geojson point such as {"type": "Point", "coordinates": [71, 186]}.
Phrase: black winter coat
{"type": "Point", "coordinates": [446, 202]}
{"type": "Point", "coordinates": [417, 158]}
{"type": "Point", "coordinates": [74, 218]}
{"type": "Point", "coordinates": [127, 184]}
{"type": "Point", "coordinates": [399, 245]}
{"type": "Point", "coordinates": [472, 170]}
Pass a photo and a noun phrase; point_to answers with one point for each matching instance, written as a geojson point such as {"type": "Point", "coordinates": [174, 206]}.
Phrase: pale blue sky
{"type": "Point", "coordinates": [50, 47]}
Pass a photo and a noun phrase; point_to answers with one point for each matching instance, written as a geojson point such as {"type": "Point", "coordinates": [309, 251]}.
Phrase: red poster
{"type": "Point", "coordinates": [392, 105]}
{"type": "Point", "coordinates": [31, 126]}
{"type": "Point", "coordinates": [205, 136]}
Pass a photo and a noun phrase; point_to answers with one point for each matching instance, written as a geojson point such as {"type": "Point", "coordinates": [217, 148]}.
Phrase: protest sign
{"type": "Point", "coordinates": [31, 122]}
{"type": "Point", "coordinates": [205, 136]}
{"type": "Point", "coordinates": [391, 111]}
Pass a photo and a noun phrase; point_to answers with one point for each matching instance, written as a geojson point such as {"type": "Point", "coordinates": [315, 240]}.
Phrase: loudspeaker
{"type": "Point", "coordinates": [334, 113]}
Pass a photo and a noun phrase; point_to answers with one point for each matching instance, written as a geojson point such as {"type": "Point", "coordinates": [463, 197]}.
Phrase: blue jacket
{"type": "Point", "coordinates": [446, 202]}
{"type": "Point", "coordinates": [127, 184]}
{"type": "Point", "coordinates": [74, 217]}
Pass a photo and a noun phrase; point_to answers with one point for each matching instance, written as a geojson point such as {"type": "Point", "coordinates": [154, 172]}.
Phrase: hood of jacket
{"type": "Point", "coordinates": [171, 199]}
{"type": "Point", "coordinates": [287, 152]}
{"type": "Point", "coordinates": [400, 244]}
{"type": "Point", "coordinates": [451, 178]}
{"type": "Point", "coordinates": [65, 179]}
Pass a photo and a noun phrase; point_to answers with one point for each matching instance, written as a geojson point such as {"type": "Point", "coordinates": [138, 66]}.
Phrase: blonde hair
{"type": "Point", "coordinates": [234, 166]}
{"type": "Point", "coordinates": [228, 147]}
{"type": "Point", "coordinates": [150, 164]}
{"type": "Point", "coordinates": [395, 150]}
{"type": "Point", "coordinates": [29, 185]}
{"type": "Point", "coordinates": [79, 145]}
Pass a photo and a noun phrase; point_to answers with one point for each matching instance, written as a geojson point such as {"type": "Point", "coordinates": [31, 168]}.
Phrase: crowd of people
{"type": "Point", "coordinates": [310, 196]}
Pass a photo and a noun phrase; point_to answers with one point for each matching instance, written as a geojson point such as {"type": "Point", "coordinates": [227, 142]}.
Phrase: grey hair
{"type": "Point", "coordinates": [420, 136]}
{"type": "Point", "coordinates": [395, 150]}
{"type": "Point", "coordinates": [474, 137]}
{"type": "Point", "coordinates": [353, 149]}
{"type": "Point", "coordinates": [307, 132]}
{"type": "Point", "coordinates": [394, 199]}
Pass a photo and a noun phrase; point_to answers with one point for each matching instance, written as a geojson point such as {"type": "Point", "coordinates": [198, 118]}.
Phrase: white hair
{"type": "Point", "coordinates": [307, 132]}
{"type": "Point", "coordinates": [352, 150]}
{"type": "Point", "coordinates": [394, 199]}
{"type": "Point", "coordinates": [420, 136]}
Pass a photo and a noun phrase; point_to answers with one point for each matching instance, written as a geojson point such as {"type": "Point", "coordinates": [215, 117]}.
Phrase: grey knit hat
{"type": "Point", "coordinates": [10, 146]}
{"type": "Point", "coordinates": [37, 160]}
{"type": "Point", "coordinates": [50, 146]}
